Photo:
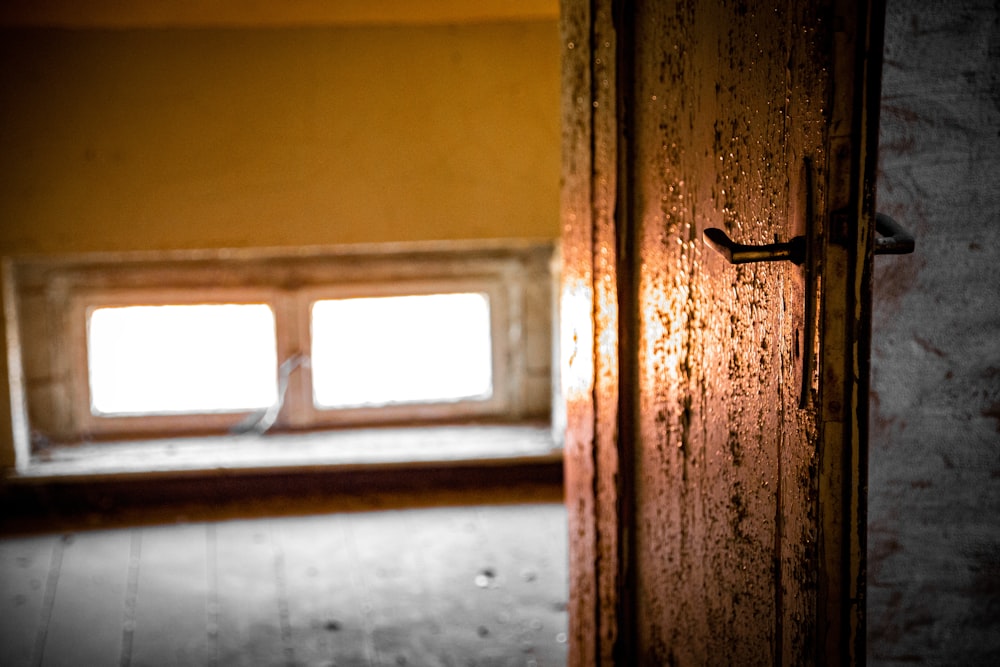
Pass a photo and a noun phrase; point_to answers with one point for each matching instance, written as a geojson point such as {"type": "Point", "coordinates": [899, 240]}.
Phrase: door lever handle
{"type": "Point", "coordinates": [738, 253]}
{"type": "Point", "coordinates": [891, 239]}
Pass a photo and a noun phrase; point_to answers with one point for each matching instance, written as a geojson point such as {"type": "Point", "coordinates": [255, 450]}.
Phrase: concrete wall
{"type": "Point", "coordinates": [934, 523]}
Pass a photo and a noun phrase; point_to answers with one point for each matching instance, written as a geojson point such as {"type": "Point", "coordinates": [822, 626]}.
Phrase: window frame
{"type": "Point", "coordinates": [86, 301]}
{"type": "Point", "coordinates": [54, 296]}
{"type": "Point", "coordinates": [309, 414]}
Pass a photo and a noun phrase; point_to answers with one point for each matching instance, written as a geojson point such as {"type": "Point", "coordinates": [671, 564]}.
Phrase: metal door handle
{"type": "Point", "coordinates": [891, 239]}
{"type": "Point", "coordinates": [738, 253]}
{"type": "Point", "coordinates": [894, 240]}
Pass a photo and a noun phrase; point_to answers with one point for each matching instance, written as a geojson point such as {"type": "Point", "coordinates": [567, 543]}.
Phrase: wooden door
{"type": "Point", "coordinates": [716, 413]}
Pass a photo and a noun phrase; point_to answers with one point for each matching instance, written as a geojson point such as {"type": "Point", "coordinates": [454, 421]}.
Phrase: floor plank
{"type": "Point", "coordinates": [467, 601]}
{"type": "Point", "coordinates": [393, 588]}
{"type": "Point", "coordinates": [86, 625]}
{"type": "Point", "coordinates": [171, 624]}
{"type": "Point", "coordinates": [249, 626]}
{"type": "Point", "coordinates": [483, 585]}
{"type": "Point", "coordinates": [24, 571]}
{"type": "Point", "coordinates": [501, 609]}
{"type": "Point", "coordinates": [324, 593]}
{"type": "Point", "coordinates": [527, 547]}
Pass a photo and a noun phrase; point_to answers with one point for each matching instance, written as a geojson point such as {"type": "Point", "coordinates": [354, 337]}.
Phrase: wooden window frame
{"type": "Point", "coordinates": [55, 295]}
{"type": "Point", "coordinates": [309, 414]}
{"type": "Point", "coordinates": [84, 302]}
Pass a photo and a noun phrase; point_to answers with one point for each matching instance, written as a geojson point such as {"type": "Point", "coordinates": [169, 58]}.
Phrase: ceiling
{"type": "Point", "coordinates": [264, 13]}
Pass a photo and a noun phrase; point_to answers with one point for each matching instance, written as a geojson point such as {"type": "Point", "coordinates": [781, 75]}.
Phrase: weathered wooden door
{"type": "Point", "coordinates": [716, 446]}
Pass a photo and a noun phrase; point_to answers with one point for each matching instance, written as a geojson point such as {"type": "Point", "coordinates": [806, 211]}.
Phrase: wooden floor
{"type": "Point", "coordinates": [482, 585]}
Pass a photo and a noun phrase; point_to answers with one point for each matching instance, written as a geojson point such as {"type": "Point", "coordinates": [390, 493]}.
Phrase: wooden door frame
{"type": "Point", "coordinates": [600, 331]}
{"type": "Point", "coordinates": [848, 251]}
{"type": "Point", "coordinates": [589, 317]}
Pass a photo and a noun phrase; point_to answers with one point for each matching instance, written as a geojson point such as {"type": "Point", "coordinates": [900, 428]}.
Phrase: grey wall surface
{"type": "Point", "coordinates": [934, 484]}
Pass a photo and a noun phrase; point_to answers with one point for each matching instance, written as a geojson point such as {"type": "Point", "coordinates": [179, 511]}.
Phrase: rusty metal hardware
{"type": "Point", "coordinates": [738, 253]}
{"type": "Point", "coordinates": [894, 240]}
{"type": "Point", "coordinates": [890, 239]}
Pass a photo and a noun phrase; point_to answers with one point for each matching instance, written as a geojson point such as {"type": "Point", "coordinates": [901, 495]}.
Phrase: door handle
{"type": "Point", "coordinates": [891, 239]}
{"type": "Point", "coordinates": [738, 253]}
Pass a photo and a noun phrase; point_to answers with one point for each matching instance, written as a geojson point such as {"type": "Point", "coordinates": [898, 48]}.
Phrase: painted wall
{"type": "Point", "coordinates": [116, 140]}
{"type": "Point", "coordinates": [121, 140]}
{"type": "Point", "coordinates": [934, 513]}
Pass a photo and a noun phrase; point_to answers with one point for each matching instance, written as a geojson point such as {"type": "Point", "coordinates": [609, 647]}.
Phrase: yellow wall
{"type": "Point", "coordinates": [202, 13]}
{"type": "Point", "coordinates": [209, 138]}
{"type": "Point", "coordinates": [206, 138]}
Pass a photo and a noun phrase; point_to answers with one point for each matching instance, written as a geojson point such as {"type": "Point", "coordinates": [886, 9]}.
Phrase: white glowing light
{"type": "Point", "coordinates": [402, 349]}
{"type": "Point", "coordinates": [181, 359]}
{"type": "Point", "coordinates": [576, 306]}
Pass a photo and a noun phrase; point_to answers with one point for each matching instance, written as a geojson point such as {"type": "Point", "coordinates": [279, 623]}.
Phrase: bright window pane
{"type": "Point", "coordinates": [407, 349]}
{"type": "Point", "coordinates": [181, 359]}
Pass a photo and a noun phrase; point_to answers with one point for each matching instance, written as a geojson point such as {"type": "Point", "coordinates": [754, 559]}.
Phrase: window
{"type": "Point", "coordinates": [198, 343]}
{"type": "Point", "coordinates": [380, 351]}
{"type": "Point", "coordinates": [181, 359]}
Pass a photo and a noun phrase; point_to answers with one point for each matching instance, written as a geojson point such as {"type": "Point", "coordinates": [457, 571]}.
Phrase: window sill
{"type": "Point", "coordinates": [218, 478]}
{"type": "Point", "coordinates": [339, 450]}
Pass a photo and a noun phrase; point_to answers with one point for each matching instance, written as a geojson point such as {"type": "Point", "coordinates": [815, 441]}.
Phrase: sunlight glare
{"type": "Point", "coordinates": [401, 349]}
{"type": "Point", "coordinates": [182, 359]}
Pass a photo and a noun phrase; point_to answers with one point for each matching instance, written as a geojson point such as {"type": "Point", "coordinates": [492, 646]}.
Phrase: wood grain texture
{"type": "Point", "coordinates": [324, 599]}
{"type": "Point", "coordinates": [481, 585]}
{"type": "Point", "coordinates": [248, 595]}
{"type": "Point", "coordinates": [172, 604]}
{"type": "Point", "coordinates": [694, 453]}
{"type": "Point", "coordinates": [88, 613]}
{"type": "Point", "coordinates": [25, 565]}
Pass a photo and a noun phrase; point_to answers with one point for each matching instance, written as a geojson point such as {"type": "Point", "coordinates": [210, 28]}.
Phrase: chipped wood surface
{"type": "Point", "coordinates": [709, 525]}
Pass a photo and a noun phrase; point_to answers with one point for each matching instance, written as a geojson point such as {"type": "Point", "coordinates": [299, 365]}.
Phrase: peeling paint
{"type": "Point", "coordinates": [703, 470]}
{"type": "Point", "coordinates": [718, 384]}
